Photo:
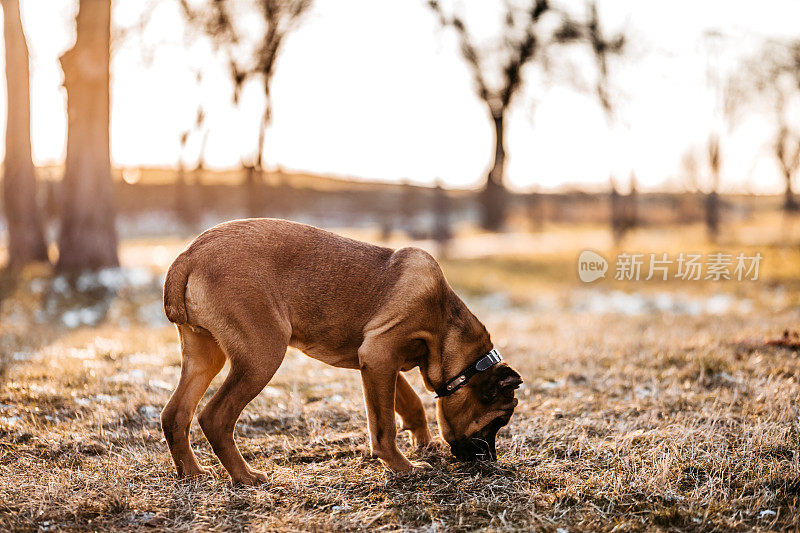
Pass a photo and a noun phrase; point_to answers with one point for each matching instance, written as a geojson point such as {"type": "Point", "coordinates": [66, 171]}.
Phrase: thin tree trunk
{"type": "Point", "coordinates": [183, 204]}
{"type": "Point", "coordinates": [257, 202]}
{"type": "Point", "coordinates": [442, 232]}
{"type": "Point", "coordinates": [88, 238]}
{"type": "Point", "coordinates": [617, 215]}
{"type": "Point", "coordinates": [632, 206]}
{"type": "Point", "coordinates": [25, 235]}
{"type": "Point", "coordinates": [789, 201]}
{"type": "Point", "coordinates": [262, 135]}
{"type": "Point", "coordinates": [250, 189]}
{"type": "Point", "coordinates": [712, 215]}
{"type": "Point", "coordinates": [712, 198]}
{"type": "Point", "coordinates": [493, 196]}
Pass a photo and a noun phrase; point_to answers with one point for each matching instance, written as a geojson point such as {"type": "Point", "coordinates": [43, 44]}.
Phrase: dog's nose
{"type": "Point", "coordinates": [474, 449]}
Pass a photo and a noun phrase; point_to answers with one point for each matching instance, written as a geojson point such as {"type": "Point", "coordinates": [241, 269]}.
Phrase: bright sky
{"type": "Point", "coordinates": [374, 89]}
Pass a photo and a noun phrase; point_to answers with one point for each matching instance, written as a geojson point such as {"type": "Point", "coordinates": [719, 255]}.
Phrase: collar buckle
{"type": "Point", "coordinates": [483, 363]}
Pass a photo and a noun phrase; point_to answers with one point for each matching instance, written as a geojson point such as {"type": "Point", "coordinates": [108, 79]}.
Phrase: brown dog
{"type": "Point", "coordinates": [245, 290]}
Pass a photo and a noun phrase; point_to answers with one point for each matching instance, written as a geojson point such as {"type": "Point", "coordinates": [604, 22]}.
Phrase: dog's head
{"type": "Point", "coordinates": [470, 418]}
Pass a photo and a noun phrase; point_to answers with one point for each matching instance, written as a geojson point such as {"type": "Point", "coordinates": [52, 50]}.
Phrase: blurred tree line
{"type": "Point", "coordinates": [529, 43]}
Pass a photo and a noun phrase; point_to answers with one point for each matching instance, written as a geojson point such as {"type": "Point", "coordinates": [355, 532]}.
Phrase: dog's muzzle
{"type": "Point", "coordinates": [481, 445]}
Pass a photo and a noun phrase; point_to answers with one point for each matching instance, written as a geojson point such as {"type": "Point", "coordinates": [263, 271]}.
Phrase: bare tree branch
{"type": "Point", "coordinates": [249, 57]}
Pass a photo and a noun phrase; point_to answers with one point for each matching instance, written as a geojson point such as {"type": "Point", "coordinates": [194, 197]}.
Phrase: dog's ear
{"type": "Point", "coordinates": [500, 380]}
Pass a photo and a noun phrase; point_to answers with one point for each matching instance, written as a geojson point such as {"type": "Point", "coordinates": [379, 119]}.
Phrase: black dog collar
{"type": "Point", "coordinates": [484, 363]}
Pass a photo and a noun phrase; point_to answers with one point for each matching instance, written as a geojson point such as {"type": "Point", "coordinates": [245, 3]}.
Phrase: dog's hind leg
{"type": "Point", "coordinates": [408, 405]}
{"type": "Point", "coordinates": [201, 360]}
{"type": "Point", "coordinates": [250, 372]}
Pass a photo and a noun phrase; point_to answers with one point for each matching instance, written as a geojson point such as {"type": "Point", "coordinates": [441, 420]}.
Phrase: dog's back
{"type": "Point", "coordinates": [306, 275]}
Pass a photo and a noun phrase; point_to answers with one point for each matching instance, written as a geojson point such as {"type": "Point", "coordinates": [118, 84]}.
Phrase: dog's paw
{"type": "Point", "coordinates": [251, 478]}
{"type": "Point", "coordinates": [420, 436]}
{"type": "Point", "coordinates": [418, 466]}
{"type": "Point", "coordinates": [421, 440]}
{"type": "Point", "coordinates": [435, 446]}
{"type": "Point", "coordinates": [196, 474]}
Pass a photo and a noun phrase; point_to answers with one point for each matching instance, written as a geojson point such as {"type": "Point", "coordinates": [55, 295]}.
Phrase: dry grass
{"type": "Point", "coordinates": [652, 421]}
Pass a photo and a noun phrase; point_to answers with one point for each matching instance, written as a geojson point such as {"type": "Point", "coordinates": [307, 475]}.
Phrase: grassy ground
{"type": "Point", "coordinates": [630, 418]}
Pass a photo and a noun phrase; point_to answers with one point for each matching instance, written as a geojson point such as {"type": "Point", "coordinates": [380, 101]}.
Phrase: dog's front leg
{"type": "Point", "coordinates": [379, 370]}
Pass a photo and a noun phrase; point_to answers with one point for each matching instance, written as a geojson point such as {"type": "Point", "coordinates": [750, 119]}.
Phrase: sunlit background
{"type": "Point", "coordinates": [377, 91]}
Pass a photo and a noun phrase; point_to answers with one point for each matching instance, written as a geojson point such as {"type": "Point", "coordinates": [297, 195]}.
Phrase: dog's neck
{"type": "Point", "coordinates": [462, 340]}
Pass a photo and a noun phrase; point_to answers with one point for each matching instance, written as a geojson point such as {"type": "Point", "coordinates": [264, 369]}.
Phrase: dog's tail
{"type": "Point", "coordinates": [175, 290]}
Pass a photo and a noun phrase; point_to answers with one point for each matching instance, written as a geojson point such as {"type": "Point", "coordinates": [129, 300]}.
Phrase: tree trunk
{"type": "Point", "coordinates": [262, 135]}
{"type": "Point", "coordinates": [184, 206]}
{"type": "Point", "coordinates": [618, 228]}
{"type": "Point", "coordinates": [632, 206]}
{"type": "Point", "coordinates": [442, 233]}
{"type": "Point", "coordinates": [493, 196]}
{"type": "Point", "coordinates": [254, 177]}
{"type": "Point", "coordinates": [712, 215]}
{"type": "Point", "coordinates": [251, 188]}
{"type": "Point", "coordinates": [789, 201]}
{"type": "Point", "coordinates": [712, 198]}
{"type": "Point", "coordinates": [88, 238]}
{"type": "Point", "coordinates": [25, 234]}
